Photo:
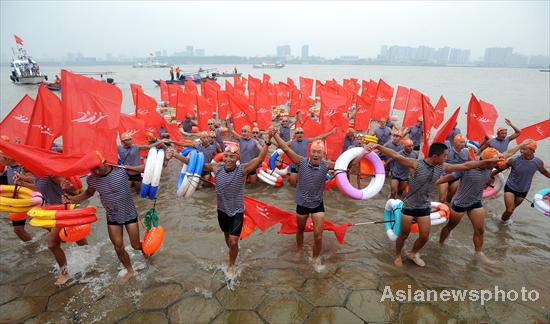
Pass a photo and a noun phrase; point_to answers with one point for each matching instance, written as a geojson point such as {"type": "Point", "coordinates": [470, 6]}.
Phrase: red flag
{"type": "Point", "coordinates": [239, 83]}
{"type": "Point", "coordinates": [311, 127]}
{"type": "Point", "coordinates": [146, 110]}
{"type": "Point", "coordinates": [42, 162]}
{"type": "Point", "coordinates": [18, 40]}
{"type": "Point", "coordinates": [186, 104]}
{"type": "Point", "coordinates": [305, 104]}
{"type": "Point", "coordinates": [266, 77]}
{"type": "Point", "coordinates": [318, 88]}
{"type": "Point", "coordinates": [264, 215]}
{"type": "Point", "coordinates": [414, 108]}
{"type": "Point", "coordinates": [363, 114]}
{"type": "Point", "coordinates": [481, 119]}
{"type": "Point", "coordinates": [253, 84]}
{"type": "Point", "coordinates": [228, 87]}
{"type": "Point", "coordinates": [282, 90]}
{"type": "Point", "coordinates": [401, 98]}
{"type": "Point", "coordinates": [239, 113]}
{"type": "Point", "coordinates": [263, 111]}
{"type": "Point", "coordinates": [174, 131]}
{"type": "Point", "coordinates": [91, 114]}
{"type": "Point", "coordinates": [294, 101]}
{"type": "Point", "coordinates": [134, 127]}
{"type": "Point", "coordinates": [290, 82]}
{"type": "Point", "coordinates": [16, 124]}
{"type": "Point", "coordinates": [289, 226]}
{"type": "Point", "coordinates": [46, 122]}
{"type": "Point", "coordinates": [191, 87]}
{"type": "Point", "coordinates": [173, 90]}
{"type": "Point", "coordinates": [444, 131]}
{"type": "Point", "coordinates": [428, 116]}
{"type": "Point", "coordinates": [335, 141]}
{"type": "Point", "coordinates": [535, 132]}
{"type": "Point", "coordinates": [205, 110]}
{"type": "Point", "coordinates": [164, 93]}
{"type": "Point", "coordinates": [382, 103]}
{"type": "Point", "coordinates": [440, 111]}
{"type": "Point", "coordinates": [135, 88]}
{"type": "Point", "coordinates": [209, 90]}
{"type": "Point", "coordinates": [223, 104]}
{"type": "Point", "coordinates": [331, 104]}
{"type": "Point", "coordinates": [306, 86]}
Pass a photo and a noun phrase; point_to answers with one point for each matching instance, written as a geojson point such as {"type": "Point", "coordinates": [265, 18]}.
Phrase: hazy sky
{"type": "Point", "coordinates": [250, 28]}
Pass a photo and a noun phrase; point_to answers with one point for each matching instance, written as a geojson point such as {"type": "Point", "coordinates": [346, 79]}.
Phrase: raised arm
{"type": "Point", "coordinates": [469, 165]}
{"type": "Point", "coordinates": [511, 151]}
{"type": "Point", "coordinates": [404, 161]}
{"type": "Point", "coordinates": [446, 178]}
{"type": "Point", "coordinates": [517, 131]}
{"type": "Point", "coordinates": [253, 164]}
{"type": "Point", "coordinates": [295, 158]}
{"type": "Point", "coordinates": [322, 136]}
{"type": "Point", "coordinates": [543, 170]}
{"type": "Point", "coordinates": [232, 130]}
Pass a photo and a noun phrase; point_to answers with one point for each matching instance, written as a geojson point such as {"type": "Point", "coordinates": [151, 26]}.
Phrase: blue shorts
{"type": "Point", "coordinates": [459, 209]}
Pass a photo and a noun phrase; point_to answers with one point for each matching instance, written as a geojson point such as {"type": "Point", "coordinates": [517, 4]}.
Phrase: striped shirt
{"type": "Point", "coordinates": [454, 132]}
{"type": "Point", "coordinates": [501, 146]}
{"type": "Point", "coordinates": [248, 149]}
{"type": "Point", "coordinates": [230, 190]}
{"type": "Point", "coordinates": [421, 184]}
{"type": "Point", "coordinates": [389, 144]}
{"type": "Point", "coordinates": [311, 183]}
{"type": "Point", "coordinates": [455, 157]}
{"type": "Point", "coordinates": [115, 196]}
{"type": "Point", "coordinates": [187, 125]}
{"type": "Point", "coordinates": [415, 135]}
{"type": "Point", "coordinates": [400, 171]}
{"type": "Point", "coordinates": [50, 190]}
{"type": "Point", "coordinates": [383, 134]}
{"type": "Point", "coordinates": [284, 133]}
{"type": "Point", "coordinates": [470, 189]}
{"type": "Point", "coordinates": [219, 138]}
{"type": "Point", "coordinates": [129, 155]}
{"type": "Point", "coordinates": [209, 151]}
{"type": "Point", "coordinates": [300, 148]}
{"type": "Point", "coordinates": [522, 173]}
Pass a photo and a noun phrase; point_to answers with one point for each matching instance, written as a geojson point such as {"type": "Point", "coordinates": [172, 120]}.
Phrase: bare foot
{"type": "Point", "coordinates": [482, 257]}
{"type": "Point", "coordinates": [124, 279]}
{"type": "Point", "coordinates": [398, 261]}
{"type": "Point", "coordinates": [415, 257]}
{"type": "Point", "coordinates": [62, 278]}
{"type": "Point", "coordinates": [231, 272]}
{"type": "Point", "coordinates": [317, 266]}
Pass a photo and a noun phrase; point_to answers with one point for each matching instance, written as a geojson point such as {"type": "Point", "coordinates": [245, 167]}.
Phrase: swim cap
{"type": "Point", "coordinates": [188, 116]}
{"type": "Point", "coordinates": [299, 129]}
{"type": "Point", "coordinates": [489, 153]}
{"type": "Point", "coordinates": [533, 146]}
{"type": "Point", "coordinates": [212, 134]}
{"type": "Point", "coordinates": [459, 138]}
{"type": "Point", "coordinates": [232, 148]}
{"type": "Point", "coordinates": [317, 145]}
{"type": "Point", "coordinates": [394, 118]}
{"type": "Point", "coordinates": [203, 134]}
{"type": "Point", "coordinates": [246, 127]}
{"type": "Point", "coordinates": [398, 133]}
{"type": "Point", "coordinates": [501, 129]}
{"type": "Point", "coordinates": [351, 130]}
{"type": "Point", "coordinates": [407, 142]}
{"type": "Point", "coordinates": [420, 118]}
{"type": "Point", "coordinates": [255, 129]}
{"type": "Point", "coordinates": [125, 136]}
{"type": "Point", "coordinates": [150, 135]}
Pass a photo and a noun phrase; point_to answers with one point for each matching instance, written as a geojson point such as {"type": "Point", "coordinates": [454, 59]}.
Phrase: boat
{"type": "Point", "coordinates": [227, 75]}
{"type": "Point", "coordinates": [269, 65]}
{"type": "Point", "coordinates": [24, 69]}
{"type": "Point", "coordinates": [54, 86]}
{"type": "Point", "coordinates": [196, 77]}
{"type": "Point", "coordinates": [544, 70]}
{"type": "Point", "coordinates": [151, 63]}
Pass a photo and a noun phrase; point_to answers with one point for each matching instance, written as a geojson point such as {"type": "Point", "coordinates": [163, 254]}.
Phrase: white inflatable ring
{"type": "Point", "coordinates": [440, 213]}
{"type": "Point", "coordinates": [196, 178]}
{"type": "Point", "coordinates": [157, 171]}
{"type": "Point", "coordinates": [345, 186]}
{"type": "Point", "coordinates": [541, 203]}
{"type": "Point", "coordinates": [148, 172]}
{"type": "Point", "coordinates": [269, 177]}
{"type": "Point", "coordinates": [489, 192]}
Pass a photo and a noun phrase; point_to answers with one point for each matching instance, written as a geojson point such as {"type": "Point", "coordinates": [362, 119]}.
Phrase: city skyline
{"type": "Point", "coordinates": [347, 29]}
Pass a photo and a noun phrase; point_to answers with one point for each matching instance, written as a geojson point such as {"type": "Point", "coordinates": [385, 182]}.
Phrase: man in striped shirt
{"type": "Point", "coordinates": [309, 194]}
{"type": "Point", "coordinates": [468, 198]}
{"type": "Point", "coordinates": [230, 180]}
{"type": "Point", "coordinates": [114, 193]}
{"type": "Point", "coordinates": [416, 205]}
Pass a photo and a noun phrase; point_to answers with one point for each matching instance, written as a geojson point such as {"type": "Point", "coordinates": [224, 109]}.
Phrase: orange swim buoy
{"type": "Point", "coordinates": [76, 182]}
{"type": "Point", "coordinates": [17, 216]}
{"type": "Point", "coordinates": [194, 129]}
{"type": "Point", "coordinates": [153, 240]}
{"type": "Point", "coordinates": [74, 233]}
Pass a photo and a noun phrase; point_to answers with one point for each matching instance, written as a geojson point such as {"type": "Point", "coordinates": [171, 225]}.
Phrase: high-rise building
{"type": "Point", "coordinates": [497, 56]}
{"type": "Point", "coordinates": [158, 53]}
{"type": "Point", "coordinates": [200, 52]}
{"type": "Point", "coordinates": [443, 55]}
{"type": "Point", "coordinates": [283, 51]}
{"type": "Point", "coordinates": [305, 52]}
{"type": "Point", "coordinates": [539, 61]}
{"type": "Point", "coordinates": [189, 50]}
{"type": "Point", "coordinates": [459, 56]}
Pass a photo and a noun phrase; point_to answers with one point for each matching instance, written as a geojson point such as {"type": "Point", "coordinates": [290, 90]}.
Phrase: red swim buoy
{"type": "Point", "coordinates": [248, 227]}
{"type": "Point", "coordinates": [17, 216]}
{"type": "Point", "coordinates": [153, 240]}
{"type": "Point", "coordinates": [74, 233]}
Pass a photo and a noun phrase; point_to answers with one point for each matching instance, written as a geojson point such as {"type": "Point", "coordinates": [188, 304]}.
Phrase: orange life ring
{"type": "Point", "coordinates": [153, 240]}
{"type": "Point", "coordinates": [74, 233]}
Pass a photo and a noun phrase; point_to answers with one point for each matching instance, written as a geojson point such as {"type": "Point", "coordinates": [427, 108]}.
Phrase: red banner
{"type": "Point", "coordinates": [363, 114]}
{"type": "Point", "coordinates": [440, 111]}
{"type": "Point", "coordinates": [205, 110]}
{"type": "Point", "coordinates": [401, 98]}
{"type": "Point", "coordinates": [91, 115]}
{"type": "Point", "coordinates": [289, 226]}
{"type": "Point", "coordinates": [414, 108]}
{"type": "Point", "coordinates": [239, 113]}
{"type": "Point", "coordinates": [428, 116]}
{"type": "Point", "coordinates": [46, 123]}
{"type": "Point", "coordinates": [382, 103]}
{"type": "Point", "coordinates": [16, 124]}
{"type": "Point", "coordinates": [535, 132]}
{"type": "Point", "coordinates": [306, 86]}
{"type": "Point", "coordinates": [447, 128]}
{"type": "Point", "coordinates": [164, 93]}
{"type": "Point", "coordinates": [481, 119]}
{"type": "Point", "coordinates": [263, 111]}
{"type": "Point", "coordinates": [134, 127]}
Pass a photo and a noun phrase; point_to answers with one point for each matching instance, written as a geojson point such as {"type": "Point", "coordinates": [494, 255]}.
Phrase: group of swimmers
{"type": "Point", "coordinates": [460, 177]}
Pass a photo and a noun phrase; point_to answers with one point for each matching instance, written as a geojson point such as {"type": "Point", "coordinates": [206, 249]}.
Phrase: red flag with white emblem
{"type": "Point", "coordinates": [16, 124]}
{"type": "Point", "coordinates": [382, 103]}
{"type": "Point", "coordinates": [363, 114]}
{"type": "Point", "coordinates": [414, 108]}
{"type": "Point", "coordinates": [134, 127]}
{"type": "Point", "coordinates": [46, 122]}
{"type": "Point", "coordinates": [428, 116]}
{"type": "Point", "coordinates": [481, 119]}
{"type": "Point", "coordinates": [401, 98]}
{"type": "Point", "coordinates": [440, 111]}
{"type": "Point", "coordinates": [205, 110]}
{"type": "Point", "coordinates": [535, 132]}
{"type": "Point", "coordinates": [91, 115]}
{"type": "Point", "coordinates": [239, 113]}
{"type": "Point", "coordinates": [306, 86]}
{"type": "Point", "coordinates": [263, 110]}
{"type": "Point", "coordinates": [164, 93]}
{"type": "Point", "coordinates": [447, 128]}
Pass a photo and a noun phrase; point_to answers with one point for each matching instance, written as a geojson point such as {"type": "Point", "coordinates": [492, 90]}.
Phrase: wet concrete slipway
{"type": "Point", "coordinates": [185, 282]}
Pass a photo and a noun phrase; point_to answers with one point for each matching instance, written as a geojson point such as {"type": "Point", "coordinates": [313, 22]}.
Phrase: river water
{"type": "Point", "coordinates": [184, 282]}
